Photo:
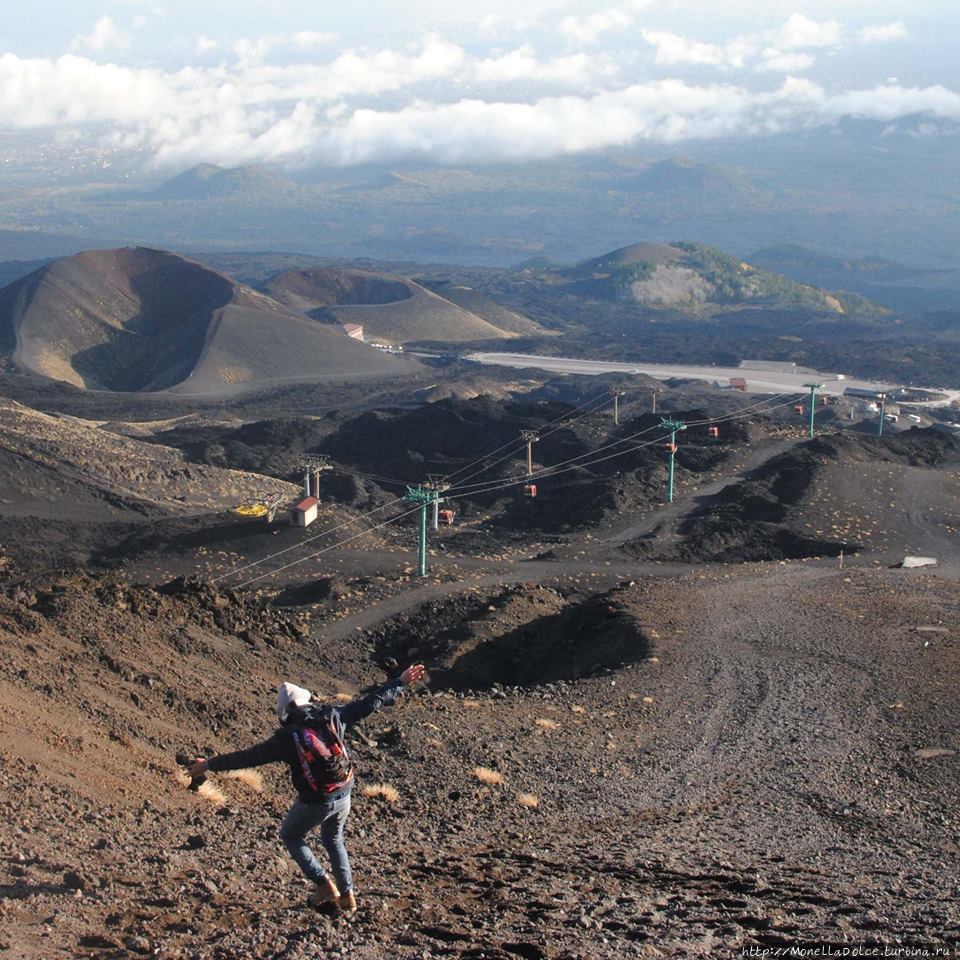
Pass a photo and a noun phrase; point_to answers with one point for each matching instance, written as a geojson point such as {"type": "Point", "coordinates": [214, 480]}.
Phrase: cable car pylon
{"type": "Point", "coordinates": [423, 497]}
{"type": "Point", "coordinates": [674, 426]}
{"type": "Point", "coordinates": [530, 437]}
{"type": "Point", "coordinates": [616, 393]}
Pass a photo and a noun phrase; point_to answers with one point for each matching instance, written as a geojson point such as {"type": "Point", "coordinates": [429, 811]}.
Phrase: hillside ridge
{"type": "Point", "coordinates": [145, 320]}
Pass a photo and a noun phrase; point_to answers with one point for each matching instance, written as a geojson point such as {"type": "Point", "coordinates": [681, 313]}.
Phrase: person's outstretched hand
{"type": "Point", "coordinates": [413, 674]}
{"type": "Point", "coordinates": [197, 766]}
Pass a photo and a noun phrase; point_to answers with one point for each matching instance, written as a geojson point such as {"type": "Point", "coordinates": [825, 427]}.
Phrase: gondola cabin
{"type": "Point", "coordinates": [445, 516]}
{"type": "Point", "coordinates": [530, 490]}
{"type": "Point", "coordinates": [671, 448]}
{"type": "Point", "coordinates": [713, 431]}
{"type": "Point", "coordinates": [799, 408]}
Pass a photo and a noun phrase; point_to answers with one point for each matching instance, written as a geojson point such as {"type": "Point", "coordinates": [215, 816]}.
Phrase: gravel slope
{"type": "Point", "coordinates": [780, 766]}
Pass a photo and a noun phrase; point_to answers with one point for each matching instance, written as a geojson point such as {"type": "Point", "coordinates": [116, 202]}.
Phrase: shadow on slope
{"type": "Point", "coordinates": [521, 636]}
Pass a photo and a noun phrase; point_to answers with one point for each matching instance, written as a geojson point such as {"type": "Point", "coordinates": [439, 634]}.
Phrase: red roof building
{"type": "Point", "coordinates": [302, 514]}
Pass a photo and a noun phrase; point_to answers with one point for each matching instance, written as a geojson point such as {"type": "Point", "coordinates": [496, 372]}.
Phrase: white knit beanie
{"type": "Point", "coordinates": [290, 695]}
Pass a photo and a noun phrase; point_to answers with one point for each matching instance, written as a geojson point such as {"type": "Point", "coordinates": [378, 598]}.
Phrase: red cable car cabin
{"type": "Point", "coordinates": [799, 408]}
{"type": "Point", "coordinates": [530, 489]}
{"type": "Point", "coordinates": [713, 431]}
{"type": "Point", "coordinates": [671, 448]}
{"type": "Point", "coordinates": [445, 516]}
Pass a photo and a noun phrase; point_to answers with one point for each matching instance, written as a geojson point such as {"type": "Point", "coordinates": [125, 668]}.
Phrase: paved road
{"type": "Point", "coordinates": [758, 381]}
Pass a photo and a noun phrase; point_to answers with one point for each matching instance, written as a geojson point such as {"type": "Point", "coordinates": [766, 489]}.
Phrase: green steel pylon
{"type": "Point", "coordinates": [674, 426]}
{"type": "Point", "coordinates": [423, 497]}
{"type": "Point", "coordinates": [814, 387]}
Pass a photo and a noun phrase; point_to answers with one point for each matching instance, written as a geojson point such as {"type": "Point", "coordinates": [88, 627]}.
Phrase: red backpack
{"type": "Point", "coordinates": [324, 760]}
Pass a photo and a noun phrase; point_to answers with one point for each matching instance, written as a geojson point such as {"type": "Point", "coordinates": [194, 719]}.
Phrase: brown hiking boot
{"type": "Point", "coordinates": [347, 902]}
{"type": "Point", "coordinates": [326, 892]}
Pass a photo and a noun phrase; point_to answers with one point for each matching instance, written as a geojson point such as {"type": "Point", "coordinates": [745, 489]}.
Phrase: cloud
{"type": "Point", "coordinates": [588, 29]}
{"type": "Point", "coordinates": [524, 66]}
{"type": "Point", "coordinates": [671, 48]}
{"type": "Point", "coordinates": [775, 50]}
{"type": "Point", "coordinates": [255, 51]}
{"type": "Point", "coordinates": [883, 33]}
{"type": "Point", "coordinates": [205, 44]}
{"type": "Point", "coordinates": [665, 111]}
{"type": "Point", "coordinates": [104, 35]}
{"type": "Point", "coordinates": [772, 60]}
{"type": "Point", "coordinates": [799, 32]}
{"type": "Point", "coordinates": [435, 100]}
{"type": "Point", "coordinates": [891, 102]}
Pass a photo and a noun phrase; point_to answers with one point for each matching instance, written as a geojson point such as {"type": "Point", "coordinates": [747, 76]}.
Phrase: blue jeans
{"type": "Point", "coordinates": [330, 818]}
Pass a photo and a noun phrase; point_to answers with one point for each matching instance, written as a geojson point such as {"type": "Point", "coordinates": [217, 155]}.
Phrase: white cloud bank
{"type": "Point", "coordinates": [438, 101]}
{"type": "Point", "coordinates": [785, 49]}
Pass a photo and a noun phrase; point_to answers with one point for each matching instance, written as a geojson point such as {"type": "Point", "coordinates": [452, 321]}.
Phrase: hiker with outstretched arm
{"type": "Point", "coordinates": [311, 741]}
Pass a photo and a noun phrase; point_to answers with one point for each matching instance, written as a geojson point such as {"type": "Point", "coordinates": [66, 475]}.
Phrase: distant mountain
{"type": "Point", "coordinates": [895, 285]}
{"type": "Point", "coordinates": [11, 270]}
{"type": "Point", "coordinates": [694, 276]}
{"type": "Point", "coordinates": [609, 263]}
{"type": "Point", "coordinates": [811, 266]}
{"type": "Point", "coordinates": [207, 181]}
{"type": "Point", "coordinates": [36, 244]}
{"type": "Point", "coordinates": [678, 175]}
{"type": "Point", "coordinates": [136, 319]}
{"type": "Point", "coordinates": [393, 309]}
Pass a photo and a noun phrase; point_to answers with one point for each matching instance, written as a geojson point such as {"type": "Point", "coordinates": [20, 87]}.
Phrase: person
{"type": "Point", "coordinates": [310, 741]}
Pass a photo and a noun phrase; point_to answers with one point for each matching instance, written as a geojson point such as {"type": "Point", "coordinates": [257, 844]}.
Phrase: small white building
{"type": "Point", "coordinates": [302, 514]}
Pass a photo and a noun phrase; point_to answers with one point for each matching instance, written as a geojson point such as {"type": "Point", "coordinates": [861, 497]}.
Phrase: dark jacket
{"type": "Point", "coordinates": [281, 747]}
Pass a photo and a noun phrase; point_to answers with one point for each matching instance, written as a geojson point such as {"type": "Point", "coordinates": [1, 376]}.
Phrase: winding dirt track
{"type": "Point", "coordinates": [770, 796]}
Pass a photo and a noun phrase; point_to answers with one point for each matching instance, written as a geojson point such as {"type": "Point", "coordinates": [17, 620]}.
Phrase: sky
{"type": "Point", "coordinates": [307, 82]}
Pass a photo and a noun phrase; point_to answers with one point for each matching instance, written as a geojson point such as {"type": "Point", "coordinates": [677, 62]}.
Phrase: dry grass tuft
{"type": "Point", "coordinates": [528, 800]}
{"type": "Point", "coordinates": [249, 778]}
{"type": "Point", "coordinates": [390, 794]}
{"type": "Point", "coordinates": [486, 775]}
{"type": "Point", "coordinates": [342, 697]}
{"type": "Point", "coordinates": [471, 704]}
{"type": "Point", "coordinates": [212, 794]}
{"type": "Point", "coordinates": [547, 724]}
{"type": "Point", "coordinates": [578, 709]}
